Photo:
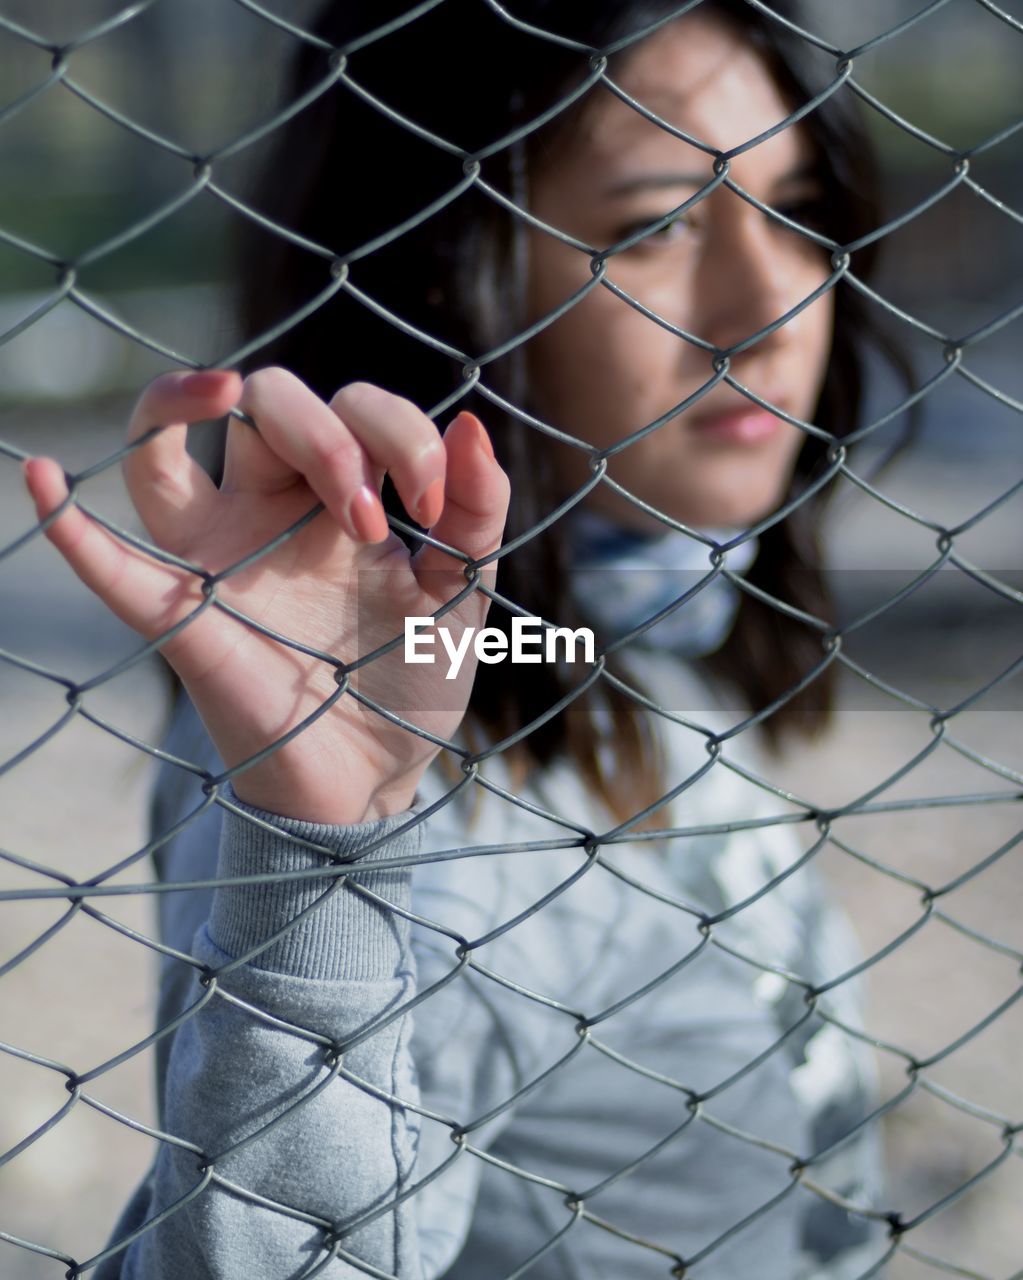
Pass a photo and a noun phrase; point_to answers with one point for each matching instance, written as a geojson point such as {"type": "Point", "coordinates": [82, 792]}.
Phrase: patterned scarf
{"type": "Point", "coordinates": [620, 578]}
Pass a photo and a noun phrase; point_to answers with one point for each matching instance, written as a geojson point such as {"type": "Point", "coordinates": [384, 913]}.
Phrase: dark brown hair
{"type": "Point", "coordinates": [346, 170]}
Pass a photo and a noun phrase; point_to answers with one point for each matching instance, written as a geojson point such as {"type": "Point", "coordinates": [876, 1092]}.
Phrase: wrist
{"type": "Point", "coordinates": [340, 806]}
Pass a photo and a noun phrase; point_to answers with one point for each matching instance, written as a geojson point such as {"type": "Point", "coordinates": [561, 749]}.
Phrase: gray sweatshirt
{"type": "Point", "coordinates": [506, 1044]}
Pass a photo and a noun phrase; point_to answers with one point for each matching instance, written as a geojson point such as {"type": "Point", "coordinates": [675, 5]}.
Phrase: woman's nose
{"type": "Point", "coordinates": [748, 283]}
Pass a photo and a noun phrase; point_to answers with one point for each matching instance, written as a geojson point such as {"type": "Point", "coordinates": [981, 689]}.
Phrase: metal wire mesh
{"type": "Point", "coordinates": [842, 830]}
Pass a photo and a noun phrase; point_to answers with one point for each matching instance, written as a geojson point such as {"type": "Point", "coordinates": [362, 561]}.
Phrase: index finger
{"type": "Point", "coordinates": [340, 447]}
{"type": "Point", "coordinates": [399, 439]}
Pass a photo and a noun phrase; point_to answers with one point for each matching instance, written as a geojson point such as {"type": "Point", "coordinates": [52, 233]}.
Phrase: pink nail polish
{"type": "Point", "coordinates": [202, 383]}
{"type": "Point", "coordinates": [482, 439]}
{"type": "Point", "coordinates": [366, 516]}
{"type": "Point", "coordinates": [430, 504]}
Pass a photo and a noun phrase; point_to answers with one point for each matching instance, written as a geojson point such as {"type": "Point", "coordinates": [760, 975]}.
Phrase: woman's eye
{"type": "Point", "coordinates": [669, 234]}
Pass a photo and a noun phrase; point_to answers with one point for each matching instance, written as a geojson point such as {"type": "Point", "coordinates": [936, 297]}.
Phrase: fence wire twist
{"type": "Point", "coordinates": [951, 355]}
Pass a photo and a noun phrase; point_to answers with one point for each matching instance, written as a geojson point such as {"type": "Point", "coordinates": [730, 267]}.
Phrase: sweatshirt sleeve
{"type": "Point", "coordinates": [287, 1142]}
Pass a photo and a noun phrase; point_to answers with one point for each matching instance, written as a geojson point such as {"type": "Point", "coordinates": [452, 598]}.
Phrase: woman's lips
{"type": "Point", "coordinates": [738, 426]}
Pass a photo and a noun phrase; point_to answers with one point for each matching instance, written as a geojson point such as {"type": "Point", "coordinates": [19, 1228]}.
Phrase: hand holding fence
{"type": "Point", "coordinates": [230, 547]}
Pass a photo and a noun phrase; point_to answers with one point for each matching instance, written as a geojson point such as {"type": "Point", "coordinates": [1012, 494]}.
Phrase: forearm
{"type": "Point", "coordinates": [253, 1081]}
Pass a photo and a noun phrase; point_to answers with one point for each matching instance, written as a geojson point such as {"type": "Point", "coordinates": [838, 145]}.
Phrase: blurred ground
{"type": "Point", "coordinates": [77, 805]}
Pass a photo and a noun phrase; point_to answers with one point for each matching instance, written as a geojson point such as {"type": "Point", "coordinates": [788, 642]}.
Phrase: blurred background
{"type": "Point", "coordinates": [204, 72]}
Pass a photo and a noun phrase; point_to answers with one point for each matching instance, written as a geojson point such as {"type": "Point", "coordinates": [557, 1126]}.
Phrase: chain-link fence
{"type": "Point", "coordinates": [594, 1035]}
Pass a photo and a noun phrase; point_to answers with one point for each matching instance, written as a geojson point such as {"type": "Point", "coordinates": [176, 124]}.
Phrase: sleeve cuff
{"type": "Point", "coordinates": [343, 934]}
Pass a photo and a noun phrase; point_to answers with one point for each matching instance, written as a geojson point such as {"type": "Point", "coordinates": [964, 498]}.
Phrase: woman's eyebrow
{"type": "Point", "coordinates": [657, 182]}
{"type": "Point", "coordinates": [803, 173]}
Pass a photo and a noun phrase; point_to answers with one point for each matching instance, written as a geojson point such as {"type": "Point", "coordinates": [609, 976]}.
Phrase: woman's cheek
{"type": "Point", "coordinates": [663, 282]}
{"type": "Point", "coordinates": [604, 369]}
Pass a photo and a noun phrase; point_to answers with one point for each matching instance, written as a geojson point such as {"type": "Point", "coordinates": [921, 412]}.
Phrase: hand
{"type": "Point", "coordinates": [342, 585]}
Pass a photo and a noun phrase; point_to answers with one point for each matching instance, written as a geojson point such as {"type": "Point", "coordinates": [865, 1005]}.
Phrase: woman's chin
{"type": "Point", "coordinates": [724, 514]}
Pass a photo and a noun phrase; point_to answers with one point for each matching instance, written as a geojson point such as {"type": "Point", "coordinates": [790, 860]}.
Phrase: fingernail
{"type": "Point", "coordinates": [430, 504]}
{"type": "Point", "coordinates": [27, 473]}
{"type": "Point", "coordinates": [482, 439]}
{"type": "Point", "coordinates": [203, 383]}
{"type": "Point", "coordinates": [479, 431]}
{"type": "Point", "coordinates": [367, 516]}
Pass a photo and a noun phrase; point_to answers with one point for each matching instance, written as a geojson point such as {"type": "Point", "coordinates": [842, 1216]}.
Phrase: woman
{"type": "Point", "coordinates": [618, 1062]}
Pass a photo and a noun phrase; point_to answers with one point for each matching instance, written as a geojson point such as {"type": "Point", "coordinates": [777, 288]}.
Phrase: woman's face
{"type": "Point", "coordinates": [722, 272]}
